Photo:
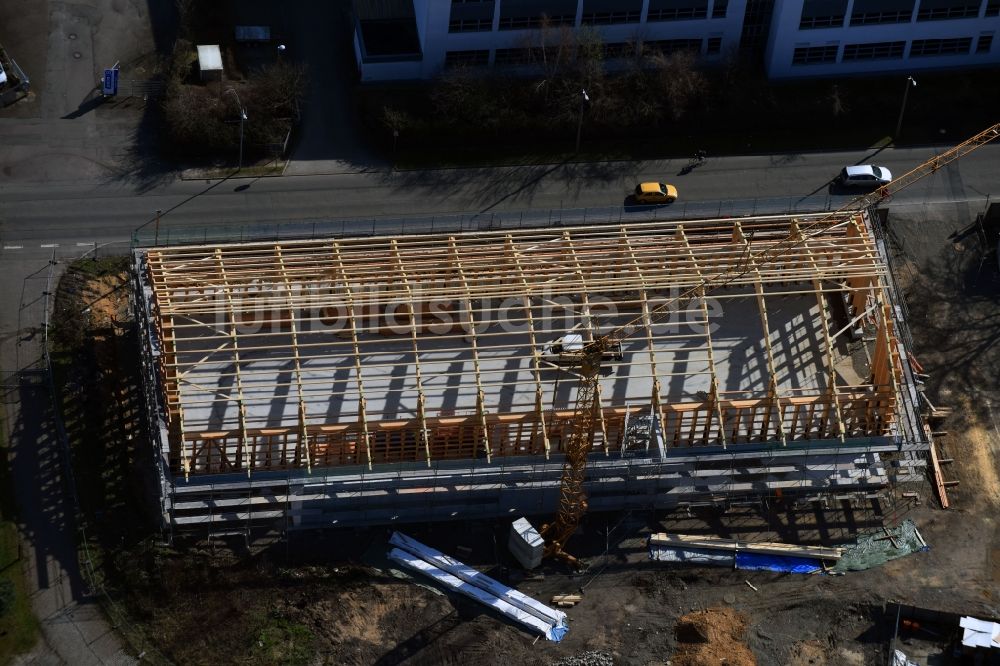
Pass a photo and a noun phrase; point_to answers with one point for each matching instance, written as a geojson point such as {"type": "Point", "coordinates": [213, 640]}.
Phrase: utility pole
{"type": "Point", "coordinates": [243, 117]}
{"type": "Point", "coordinates": [579, 125]}
{"type": "Point", "coordinates": [910, 82]}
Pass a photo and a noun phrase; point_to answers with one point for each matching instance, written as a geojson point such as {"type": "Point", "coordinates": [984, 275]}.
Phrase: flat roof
{"type": "Point", "coordinates": [209, 58]}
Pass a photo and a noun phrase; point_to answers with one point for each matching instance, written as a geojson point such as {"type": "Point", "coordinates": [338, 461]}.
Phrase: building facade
{"type": "Point", "coordinates": [416, 39]}
{"type": "Point", "coordinates": [811, 38]}
{"type": "Point", "coordinates": [419, 39]}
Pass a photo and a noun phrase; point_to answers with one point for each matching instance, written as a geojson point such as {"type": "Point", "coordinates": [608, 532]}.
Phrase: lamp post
{"type": "Point", "coordinates": [910, 82]}
{"type": "Point", "coordinates": [579, 124]}
{"type": "Point", "coordinates": [243, 117]}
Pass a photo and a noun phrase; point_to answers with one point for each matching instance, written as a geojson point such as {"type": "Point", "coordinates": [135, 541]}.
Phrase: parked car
{"type": "Point", "coordinates": [864, 175]}
{"type": "Point", "coordinates": [655, 193]}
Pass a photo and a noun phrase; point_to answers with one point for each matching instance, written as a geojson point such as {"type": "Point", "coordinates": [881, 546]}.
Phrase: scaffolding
{"type": "Point", "coordinates": [341, 359]}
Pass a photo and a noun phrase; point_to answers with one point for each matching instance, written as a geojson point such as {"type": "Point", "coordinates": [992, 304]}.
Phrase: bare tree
{"type": "Point", "coordinates": [683, 84]}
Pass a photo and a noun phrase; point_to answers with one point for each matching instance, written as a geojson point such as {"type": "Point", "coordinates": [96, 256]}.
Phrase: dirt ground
{"type": "Point", "coordinates": [329, 598]}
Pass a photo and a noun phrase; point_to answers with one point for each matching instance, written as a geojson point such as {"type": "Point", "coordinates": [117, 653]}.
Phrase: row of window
{"type": "Point", "coordinates": [485, 24]}
{"type": "Point", "coordinates": [524, 56]}
{"type": "Point", "coordinates": [811, 55]}
{"type": "Point", "coordinates": [862, 17]}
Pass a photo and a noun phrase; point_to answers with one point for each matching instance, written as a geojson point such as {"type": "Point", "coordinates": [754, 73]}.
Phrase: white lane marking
{"type": "Point", "coordinates": [12, 247]}
{"type": "Point", "coordinates": [85, 244]}
{"type": "Point", "coordinates": [49, 245]}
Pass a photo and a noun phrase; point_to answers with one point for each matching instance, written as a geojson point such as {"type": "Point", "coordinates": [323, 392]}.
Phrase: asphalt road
{"type": "Point", "coordinates": [36, 218]}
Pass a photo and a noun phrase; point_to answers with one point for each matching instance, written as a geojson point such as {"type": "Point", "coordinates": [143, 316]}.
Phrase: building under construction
{"type": "Point", "coordinates": [359, 381]}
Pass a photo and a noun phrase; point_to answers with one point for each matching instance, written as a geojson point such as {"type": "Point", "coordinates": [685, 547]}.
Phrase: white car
{"type": "Point", "coordinates": [864, 175]}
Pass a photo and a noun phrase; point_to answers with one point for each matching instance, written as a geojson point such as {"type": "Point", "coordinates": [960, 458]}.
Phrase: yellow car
{"type": "Point", "coordinates": [655, 193]}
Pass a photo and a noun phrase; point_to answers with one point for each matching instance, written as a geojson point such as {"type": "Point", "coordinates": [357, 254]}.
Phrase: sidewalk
{"type": "Point", "coordinates": [58, 134]}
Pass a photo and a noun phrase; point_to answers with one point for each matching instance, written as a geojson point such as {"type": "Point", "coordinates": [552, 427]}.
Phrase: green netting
{"type": "Point", "coordinates": [876, 548]}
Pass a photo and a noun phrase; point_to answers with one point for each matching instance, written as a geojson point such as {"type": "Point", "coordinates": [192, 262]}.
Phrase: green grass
{"type": "Point", "coordinates": [253, 171]}
{"type": "Point", "coordinates": [281, 641]}
{"type": "Point", "coordinates": [18, 625]}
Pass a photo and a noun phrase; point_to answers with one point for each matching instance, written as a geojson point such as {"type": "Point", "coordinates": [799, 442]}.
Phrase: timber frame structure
{"type": "Point", "coordinates": [364, 380]}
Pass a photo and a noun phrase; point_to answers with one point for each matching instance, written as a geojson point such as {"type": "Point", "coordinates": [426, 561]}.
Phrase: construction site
{"type": "Point", "coordinates": [379, 380]}
{"type": "Point", "coordinates": [709, 440]}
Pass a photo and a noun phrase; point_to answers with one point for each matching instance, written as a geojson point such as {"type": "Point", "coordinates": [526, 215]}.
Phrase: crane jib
{"type": "Point", "coordinates": [573, 499]}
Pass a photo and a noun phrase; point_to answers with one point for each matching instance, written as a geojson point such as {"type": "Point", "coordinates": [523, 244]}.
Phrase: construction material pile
{"type": "Point", "coordinates": [712, 637]}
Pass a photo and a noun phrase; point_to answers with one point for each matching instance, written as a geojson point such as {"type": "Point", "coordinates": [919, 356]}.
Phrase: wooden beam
{"type": "Point", "coordinates": [656, 397]}
{"type": "Point", "coordinates": [828, 340]}
{"type": "Point", "coordinates": [471, 322]}
{"type": "Point", "coordinates": [514, 258]}
{"type": "Point", "coordinates": [939, 481]}
{"type": "Point", "coordinates": [774, 399]}
{"type": "Point", "coordinates": [303, 414]}
{"type": "Point", "coordinates": [421, 398]}
{"type": "Point", "coordinates": [714, 398]}
{"type": "Point", "coordinates": [345, 281]}
{"type": "Point", "coordinates": [589, 332]}
{"type": "Point", "coordinates": [241, 404]}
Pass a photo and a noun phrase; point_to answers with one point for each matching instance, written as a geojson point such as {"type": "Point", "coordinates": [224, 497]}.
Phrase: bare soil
{"type": "Point", "coordinates": [713, 637]}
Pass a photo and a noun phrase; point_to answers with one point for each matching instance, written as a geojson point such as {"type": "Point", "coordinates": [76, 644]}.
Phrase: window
{"type": "Point", "coordinates": [610, 18]}
{"type": "Point", "coordinates": [936, 47]}
{"type": "Point", "coordinates": [985, 43]}
{"type": "Point", "coordinates": [756, 25]}
{"type": "Point", "coordinates": [454, 59]}
{"type": "Point", "coordinates": [875, 18]}
{"type": "Point", "coordinates": [676, 14]}
{"type": "Point", "coordinates": [874, 51]}
{"type": "Point", "coordinates": [944, 13]}
{"type": "Point", "coordinates": [512, 57]}
{"type": "Point", "coordinates": [714, 46]}
{"type": "Point", "coordinates": [719, 8]}
{"type": "Point", "coordinates": [822, 14]}
{"type": "Point", "coordinates": [471, 16]}
{"type": "Point", "coordinates": [993, 8]}
{"type": "Point", "coordinates": [668, 46]}
{"type": "Point", "coordinates": [470, 25]}
{"type": "Point", "coordinates": [527, 22]}
{"type": "Point", "coordinates": [811, 55]}
{"type": "Point", "coordinates": [821, 22]}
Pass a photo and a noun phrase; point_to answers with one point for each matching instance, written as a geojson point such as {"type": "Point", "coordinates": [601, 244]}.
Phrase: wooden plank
{"type": "Point", "coordinates": [735, 545]}
{"type": "Point", "coordinates": [939, 481]}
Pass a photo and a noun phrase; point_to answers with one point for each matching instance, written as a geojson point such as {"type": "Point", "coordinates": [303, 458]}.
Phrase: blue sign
{"type": "Point", "coordinates": [110, 86]}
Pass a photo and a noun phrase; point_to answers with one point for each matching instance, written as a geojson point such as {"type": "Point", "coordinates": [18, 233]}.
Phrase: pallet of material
{"type": "Point", "coordinates": [689, 541]}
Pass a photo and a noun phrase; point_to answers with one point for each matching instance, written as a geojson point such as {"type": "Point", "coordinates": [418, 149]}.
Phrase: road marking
{"type": "Point", "coordinates": [85, 244]}
{"type": "Point", "coordinates": [49, 245]}
{"type": "Point", "coordinates": [12, 247]}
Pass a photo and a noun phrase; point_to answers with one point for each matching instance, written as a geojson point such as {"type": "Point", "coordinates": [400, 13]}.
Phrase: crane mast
{"type": "Point", "coordinates": [573, 497]}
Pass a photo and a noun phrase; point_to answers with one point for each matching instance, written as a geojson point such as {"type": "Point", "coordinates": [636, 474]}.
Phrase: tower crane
{"type": "Point", "coordinates": [587, 361]}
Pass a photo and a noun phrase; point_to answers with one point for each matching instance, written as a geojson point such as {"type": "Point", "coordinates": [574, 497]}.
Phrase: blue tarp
{"type": "Point", "coordinates": [780, 563]}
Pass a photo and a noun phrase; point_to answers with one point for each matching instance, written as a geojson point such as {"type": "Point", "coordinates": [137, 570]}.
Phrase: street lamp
{"type": "Point", "coordinates": [910, 82]}
{"type": "Point", "coordinates": [243, 117]}
{"type": "Point", "coordinates": [579, 125]}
